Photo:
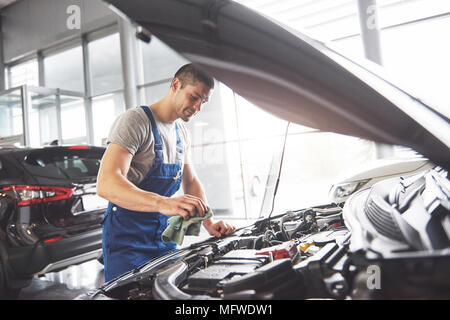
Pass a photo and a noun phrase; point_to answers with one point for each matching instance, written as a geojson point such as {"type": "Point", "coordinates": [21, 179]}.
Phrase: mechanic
{"type": "Point", "coordinates": [145, 162]}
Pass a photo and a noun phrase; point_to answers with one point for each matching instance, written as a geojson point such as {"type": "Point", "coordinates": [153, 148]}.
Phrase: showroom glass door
{"type": "Point", "coordinates": [73, 119]}
{"type": "Point", "coordinates": [11, 117]}
{"type": "Point", "coordinates": [37, 116]}
{"type": "Point", "coordinates": [42, 118]}
{"type": "Point", "coordinates": [56, 117]}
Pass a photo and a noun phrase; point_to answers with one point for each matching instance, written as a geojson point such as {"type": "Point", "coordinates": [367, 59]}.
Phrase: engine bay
{"type": "Point", "coordinates": [298, 255]}
{"type": "Point", "coordinates": [370, 247]}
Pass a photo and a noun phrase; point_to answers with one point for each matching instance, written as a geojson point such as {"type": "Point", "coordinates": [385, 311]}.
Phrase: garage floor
{"type": "Point", "coordinates": [66, 284]}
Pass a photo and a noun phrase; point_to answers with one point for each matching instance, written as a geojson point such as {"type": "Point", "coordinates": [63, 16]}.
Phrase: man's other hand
{"type": "Point", "coordinates": [219, 228]}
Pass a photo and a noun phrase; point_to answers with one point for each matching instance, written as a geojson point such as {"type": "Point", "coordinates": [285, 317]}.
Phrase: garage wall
{"type": "Point", "coordinates": [29, 25]}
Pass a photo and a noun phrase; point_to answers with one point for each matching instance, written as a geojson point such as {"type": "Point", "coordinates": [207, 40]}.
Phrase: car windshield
{"type": "Point", "coordinates": [314, 161]}
{"type": "Point", "coordinates": [237, 156]}
{"type": "Point", "coordinates": [63, 163]}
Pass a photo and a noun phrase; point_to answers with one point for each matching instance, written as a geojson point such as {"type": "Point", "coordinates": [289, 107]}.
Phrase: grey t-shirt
{"type": "Point", "coordinates": [133, 131]}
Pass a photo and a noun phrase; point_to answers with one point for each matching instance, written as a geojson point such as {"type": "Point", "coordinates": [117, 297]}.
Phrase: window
{"type": "Point", "coordinates": [105, 64]}
{"type": "Point", "coordinates": [11, 122]}
{"type": "Point", "coordinates": [313, 162]}
{"type": "Point", "coordinates": [216, 154]}
{"type": "Point", "coordinates": [63, 163]}
{"type": "Point", "coordinates": [73, 120]}
{"type": "Point", "coordinates": [236, 151]}
{"type": "Point", "coordinates": [351, 47]}
{"type": "Point", "coordinates": [394, 12]}
{"type": "Point", "coordinates": [218, 168]}
{"type": "Point", "coordinates": [261, 138]}
{"type": "Point", "coordinates": [156, 92]}
{"type": "Point", "coordinates": [105, 110]}
{"type": "Point", "coordinates": [416, 55]}
{"type": "Point", "coordinates": [75, 167]}
{"type": "Point", "coordinates": [43, 123]}
{"type": "Point", "coordinates": [160, 61]}
{"type": "Point", "coordinates": [324, 20]}
{"type": "Point", "coordinates": [65, 70]}
{"type": "Point", "coordinates": [24, 73]}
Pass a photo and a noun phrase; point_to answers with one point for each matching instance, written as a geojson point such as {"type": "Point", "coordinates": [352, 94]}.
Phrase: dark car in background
{"type": "Point", "coordinates": [50, 214]}
{"type": "Point", "coordinates": [389, 241]}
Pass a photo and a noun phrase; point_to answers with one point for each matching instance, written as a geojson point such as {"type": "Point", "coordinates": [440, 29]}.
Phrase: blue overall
{"type": "Point", "coordinates": [131, 238]}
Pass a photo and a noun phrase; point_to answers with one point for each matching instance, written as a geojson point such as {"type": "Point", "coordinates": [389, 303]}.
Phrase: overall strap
{"type": "Point", "coordinates": [179, 142]}
{"type": "Point", "coordinates": [180, 150]}
{"type": "Point", "coordinates": [158, 143]}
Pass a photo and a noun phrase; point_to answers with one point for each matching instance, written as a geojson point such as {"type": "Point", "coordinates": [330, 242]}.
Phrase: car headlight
{"type": "Point", "coordinates": [341, 191]}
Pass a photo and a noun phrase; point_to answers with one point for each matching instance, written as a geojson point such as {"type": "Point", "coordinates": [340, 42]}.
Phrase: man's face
{"type": "Point", "coordinates": [188, 99]}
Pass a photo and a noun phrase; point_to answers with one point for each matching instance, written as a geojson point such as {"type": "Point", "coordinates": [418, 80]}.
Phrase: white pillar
{"type": "Point", "coordinates": [370, 34]}
{"type": "Point", "coordinates": [370, 31]}
{"type": "Point", "coordinates": [129, 63]}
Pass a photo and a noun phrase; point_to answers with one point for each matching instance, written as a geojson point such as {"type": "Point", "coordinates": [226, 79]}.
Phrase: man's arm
{"type": "Point", "coordinates": [113, 185]}
{"type": "Point", "coordinates": [192, 186]}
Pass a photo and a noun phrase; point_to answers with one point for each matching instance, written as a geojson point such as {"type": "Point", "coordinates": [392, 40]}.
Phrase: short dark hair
{"type": "Point", "coordinates": [190, 74]}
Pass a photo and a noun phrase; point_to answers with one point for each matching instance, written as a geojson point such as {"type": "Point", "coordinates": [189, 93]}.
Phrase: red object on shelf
{"type": "Point", "coordinates": [281, 251]}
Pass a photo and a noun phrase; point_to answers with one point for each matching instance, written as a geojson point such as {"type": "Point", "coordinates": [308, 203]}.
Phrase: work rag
{"type": "Point", "coordinates": [177, 227]}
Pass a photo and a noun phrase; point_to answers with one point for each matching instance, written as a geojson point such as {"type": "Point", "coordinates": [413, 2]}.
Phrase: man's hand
{"type": "Point", "coordinates": [218, 228]}
{"type": "Point", "coordinates": [181, 206]}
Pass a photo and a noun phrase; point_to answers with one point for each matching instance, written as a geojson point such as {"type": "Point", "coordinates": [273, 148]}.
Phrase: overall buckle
{"type": "Point", "coordinates": [178, 175]}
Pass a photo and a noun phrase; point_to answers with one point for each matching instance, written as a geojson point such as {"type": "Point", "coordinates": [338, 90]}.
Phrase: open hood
{"type": "Point", "coordinates": [290, 75]}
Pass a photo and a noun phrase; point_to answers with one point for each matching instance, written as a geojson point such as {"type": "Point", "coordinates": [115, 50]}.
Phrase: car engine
{"type": "Point", "coordinates": [391, 241]}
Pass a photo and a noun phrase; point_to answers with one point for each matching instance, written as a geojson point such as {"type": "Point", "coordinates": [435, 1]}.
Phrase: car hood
{"type": "Point", "coordinates": [291, 76]}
